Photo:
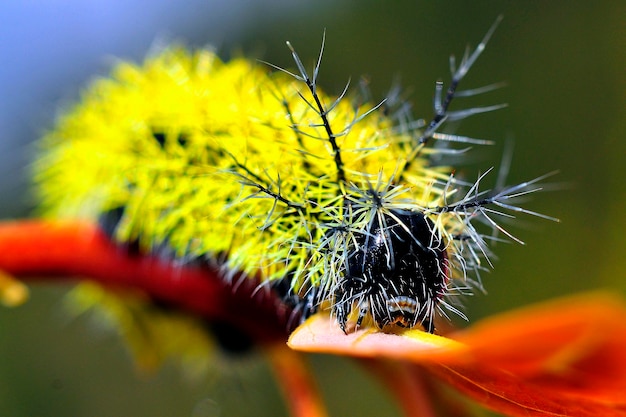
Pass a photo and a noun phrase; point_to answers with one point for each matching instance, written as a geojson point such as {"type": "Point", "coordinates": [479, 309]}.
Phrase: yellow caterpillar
{"type": "Point", "coordinates": [333, 202]}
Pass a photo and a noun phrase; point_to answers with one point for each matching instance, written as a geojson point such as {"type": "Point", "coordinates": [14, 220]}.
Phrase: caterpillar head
{"type": "Point", "coordinates": [396, 271]}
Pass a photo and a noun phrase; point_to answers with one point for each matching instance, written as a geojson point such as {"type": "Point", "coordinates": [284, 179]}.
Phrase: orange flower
{"type": "Point", "coordinates": [561, 358]}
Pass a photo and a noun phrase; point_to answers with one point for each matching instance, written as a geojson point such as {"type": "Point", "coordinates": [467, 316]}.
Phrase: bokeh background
{"type": "Point", "coordinates": [563, 62]}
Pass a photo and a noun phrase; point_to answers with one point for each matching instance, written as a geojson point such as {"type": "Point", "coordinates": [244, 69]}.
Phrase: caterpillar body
{"type": "Point", "coordinates": [332, 202]}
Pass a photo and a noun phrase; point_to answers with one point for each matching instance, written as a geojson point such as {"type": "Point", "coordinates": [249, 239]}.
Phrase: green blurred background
{"type": "Point", "coordinates": [564, 65]}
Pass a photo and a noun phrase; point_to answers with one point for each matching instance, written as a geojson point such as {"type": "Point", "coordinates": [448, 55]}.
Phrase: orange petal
{"type": "Point", "coordinates": [506, 393]}
{"type": "Point", "coordinates": [61, 250]}
{"type": "Point", "coordinates": [556, 358]}
{"type": "Point", "coordinates": [322, 335]}
{"type": "Point", "coordinates": [574, 346]}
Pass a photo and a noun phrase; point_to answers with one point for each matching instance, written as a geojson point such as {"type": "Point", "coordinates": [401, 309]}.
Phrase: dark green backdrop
{"type": "Point", "coordinates": [564, 65]}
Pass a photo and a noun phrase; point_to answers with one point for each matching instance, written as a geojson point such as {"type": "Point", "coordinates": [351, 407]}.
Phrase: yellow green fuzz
{"type": "Point", "coordinates": [152, 335]}
{"type": "Point", "coordinates": [225, 127]}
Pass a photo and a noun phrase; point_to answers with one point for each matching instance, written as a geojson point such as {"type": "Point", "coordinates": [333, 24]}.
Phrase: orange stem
{"type": "Point", "coordinates": [407, 383]}
{"type": "Point", "coordinates": [297, 383]}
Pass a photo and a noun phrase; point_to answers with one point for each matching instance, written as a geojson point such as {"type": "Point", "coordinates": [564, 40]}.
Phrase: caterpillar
{"type": "Point", "coordinates": [332, 202]}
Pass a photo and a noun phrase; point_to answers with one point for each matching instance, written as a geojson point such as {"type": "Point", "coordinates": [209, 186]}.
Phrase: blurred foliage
{"type": "Point", "coordinates": [563, 63]}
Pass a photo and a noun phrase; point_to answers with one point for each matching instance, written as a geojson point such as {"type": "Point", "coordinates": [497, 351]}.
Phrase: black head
{"type": "Point", "coordinates": [396, 271]}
